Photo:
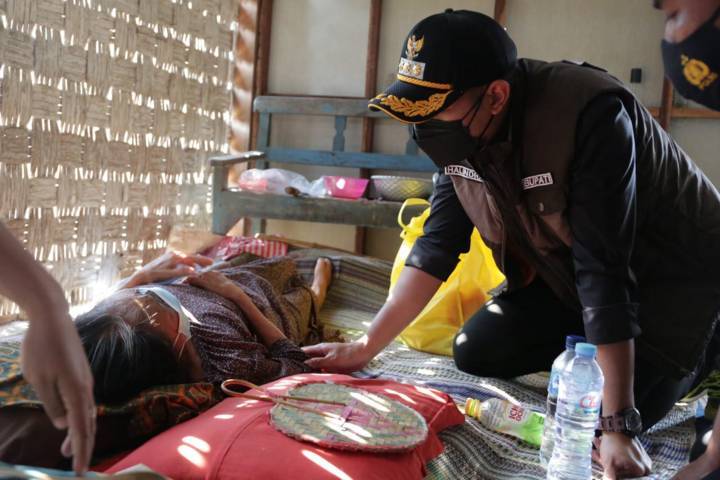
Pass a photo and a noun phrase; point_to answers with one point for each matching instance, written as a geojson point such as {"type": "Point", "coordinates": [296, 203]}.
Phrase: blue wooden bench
{"type": "Point", "coordinates": [230, 205]}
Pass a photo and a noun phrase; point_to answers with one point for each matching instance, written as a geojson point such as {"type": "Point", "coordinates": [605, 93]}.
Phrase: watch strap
{"type": "Point", "coordinates": [613, 423]}
{"type": "Point", "coordinates": [622, 422]}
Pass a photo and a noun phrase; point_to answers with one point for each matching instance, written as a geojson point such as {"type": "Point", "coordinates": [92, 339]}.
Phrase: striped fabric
{"type": "Point", "coordinates": [230, 247]}
{"type": "Point", "coordinates": [359, 289]}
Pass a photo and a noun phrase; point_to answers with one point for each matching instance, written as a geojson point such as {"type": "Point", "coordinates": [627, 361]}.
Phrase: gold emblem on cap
{"type": "Point", "coordinates": [697, 72]}
{"type": "Point", "coordinates": [408, 66]}
{"type": "Point", "coordinates": [413, 47]}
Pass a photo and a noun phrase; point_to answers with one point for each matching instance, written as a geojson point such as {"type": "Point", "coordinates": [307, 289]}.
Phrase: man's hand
{"type": "Point", "coordinates": [54, 362]}
{"type": "Point", "coordinates": [338, 357]}
{"type": "Point", "coordinates": [622, 456]}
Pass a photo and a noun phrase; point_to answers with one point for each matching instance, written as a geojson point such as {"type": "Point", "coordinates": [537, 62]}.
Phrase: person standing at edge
{"type": "Point", "coordinates": [52, 358]}
{"type": "Point", "coordinates": [599, 221]}
{"type": "Point", "coordinates": [691, 54]}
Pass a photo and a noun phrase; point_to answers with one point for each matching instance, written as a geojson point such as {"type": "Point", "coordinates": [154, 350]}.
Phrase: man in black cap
{"type": "Point", "coordinates": [598, 220]}
{"type": "Point", "coordinates": [691, 53]}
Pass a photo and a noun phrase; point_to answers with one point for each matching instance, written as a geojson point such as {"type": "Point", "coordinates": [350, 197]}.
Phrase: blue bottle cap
{"type": "Point", "coordinates": [572, 340]}
{"type": "Point", "coordinates": [585, 350]}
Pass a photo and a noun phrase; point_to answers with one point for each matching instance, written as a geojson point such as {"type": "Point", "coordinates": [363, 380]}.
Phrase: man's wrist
{"type": "Point", "coordinates": [608, 412]}
{"type": "Point", "coordinates": [627, 422]}
{"type": "Point", "coordinates": [614, 434]}
{"type": "Point", "coordinates": [623, 435]}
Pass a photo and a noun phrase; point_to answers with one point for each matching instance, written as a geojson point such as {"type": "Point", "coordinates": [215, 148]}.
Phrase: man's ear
{"type": "Point", "coordinates": [499, 94]}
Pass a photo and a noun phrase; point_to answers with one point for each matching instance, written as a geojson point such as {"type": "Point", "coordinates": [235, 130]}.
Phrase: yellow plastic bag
{"type": "Point", "coordinates": [464, 292]}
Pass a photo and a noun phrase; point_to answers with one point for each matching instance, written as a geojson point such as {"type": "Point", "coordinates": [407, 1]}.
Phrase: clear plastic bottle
{"type": "Point", "coordinates": [548, 440]}
{"type": "Point", "coordinates": [578, 409]}
{"type": "Point", "coordinates": [505, 417]}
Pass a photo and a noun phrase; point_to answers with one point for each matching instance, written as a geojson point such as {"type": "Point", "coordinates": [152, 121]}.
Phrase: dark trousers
{"type": "Point", "coordinates": [524, 331]}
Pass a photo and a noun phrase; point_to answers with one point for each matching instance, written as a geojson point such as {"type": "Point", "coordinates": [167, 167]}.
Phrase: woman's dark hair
{"type": "Point", "coordinates": [124, 359]}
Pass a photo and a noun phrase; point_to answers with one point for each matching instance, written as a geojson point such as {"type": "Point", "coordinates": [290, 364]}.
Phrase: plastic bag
{"type": "Point", "coordinates": [272, 180]}
{"type": "Point", "coordinates": [277, 181]}
{"type": "Point", "coordinates": [317, 188]}
{"type": "Point", "coordinates": [458, 298]}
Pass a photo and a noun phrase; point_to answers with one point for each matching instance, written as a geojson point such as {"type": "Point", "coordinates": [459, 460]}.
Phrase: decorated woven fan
{"type": "Point", "coordinates": [344, 418]}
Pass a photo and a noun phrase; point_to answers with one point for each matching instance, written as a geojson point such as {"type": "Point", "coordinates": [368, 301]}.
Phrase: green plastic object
{"type": "Point", "coordinates": [508, 418]}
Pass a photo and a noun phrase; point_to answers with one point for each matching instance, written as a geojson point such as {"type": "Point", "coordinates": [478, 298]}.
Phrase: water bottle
{"type": "Point", "coordinates": [509, 418]}
{"type": "Point", "coordinates": [548, 439]}
{"type": "Point", "coordinates": [578, 409]}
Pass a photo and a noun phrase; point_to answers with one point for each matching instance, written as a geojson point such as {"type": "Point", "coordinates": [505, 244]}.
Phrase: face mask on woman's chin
{"type": "Point", "coordinates": [449, 143]}
{"type": "Point", "coordinates": [693, 65]}
{"type": "Point", "coordinates": [185, 318]}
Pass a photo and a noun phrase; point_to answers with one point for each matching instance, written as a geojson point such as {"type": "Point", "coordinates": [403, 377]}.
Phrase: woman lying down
{"type": "Point", "coordinates": [241, 320]}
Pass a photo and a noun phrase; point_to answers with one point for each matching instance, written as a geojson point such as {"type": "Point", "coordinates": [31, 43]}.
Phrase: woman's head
{"type": "Point", "coordinates": [127, 354]}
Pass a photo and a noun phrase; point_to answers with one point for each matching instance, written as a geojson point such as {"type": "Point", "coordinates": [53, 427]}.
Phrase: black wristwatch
{"type": "Point", "coordinates": [627, 422]}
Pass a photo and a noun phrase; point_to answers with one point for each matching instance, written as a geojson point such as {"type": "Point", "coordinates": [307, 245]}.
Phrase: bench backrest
{"type": "Point", "coordinates": [341, 109]}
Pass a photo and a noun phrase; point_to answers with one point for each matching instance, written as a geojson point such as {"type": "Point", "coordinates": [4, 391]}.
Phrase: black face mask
{"type": "Point", "coordinates": [693, 65]}
{"type": "Point", "coordinates": [449, 143]}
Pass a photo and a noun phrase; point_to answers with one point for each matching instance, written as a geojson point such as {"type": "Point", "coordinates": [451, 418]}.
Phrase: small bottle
{"type": "Point", "coordinates": [578, 409]}
{"type": "Point", "coordinates": [509, 418]}
{"type": "Point", "coordinates": [548, 440]}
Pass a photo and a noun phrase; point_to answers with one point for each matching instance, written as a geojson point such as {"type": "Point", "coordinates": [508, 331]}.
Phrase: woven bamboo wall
{"type": "Point", "coordinates": [244, 75]}
{"type": "Point", "coordinates": [108, 112]}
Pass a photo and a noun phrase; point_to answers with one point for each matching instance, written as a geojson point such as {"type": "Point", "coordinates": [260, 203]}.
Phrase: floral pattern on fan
{"type": "Point", "coordinates": [366, 422]}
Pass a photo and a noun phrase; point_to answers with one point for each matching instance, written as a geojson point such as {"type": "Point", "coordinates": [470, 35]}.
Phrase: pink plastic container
{"type": "Point", "coordinates": [345, 187]}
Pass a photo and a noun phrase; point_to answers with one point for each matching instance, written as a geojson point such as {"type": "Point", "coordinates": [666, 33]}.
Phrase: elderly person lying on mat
{"type": "Point", "coordinates": [240, 320]}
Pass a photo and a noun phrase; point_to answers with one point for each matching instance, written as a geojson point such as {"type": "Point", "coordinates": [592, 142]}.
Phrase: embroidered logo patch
{"type": "Point", "coordinates": [541, 180]}
{"type": "Point", "coordinates": [464, 172]}
{"type": "Point", "coordinates": [697, 72]}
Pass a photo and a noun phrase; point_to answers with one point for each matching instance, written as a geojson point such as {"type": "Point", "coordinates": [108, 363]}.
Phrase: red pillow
{"type": "Point", "coordinates": [234, 440]}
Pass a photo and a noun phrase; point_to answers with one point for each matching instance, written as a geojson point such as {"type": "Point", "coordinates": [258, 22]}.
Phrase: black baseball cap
{"type": "Point", "coordinates": [443, 56]}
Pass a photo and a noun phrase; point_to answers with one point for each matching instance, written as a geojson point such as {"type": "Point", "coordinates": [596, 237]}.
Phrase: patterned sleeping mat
{"type": "Point", "coordinates": [358, 291]}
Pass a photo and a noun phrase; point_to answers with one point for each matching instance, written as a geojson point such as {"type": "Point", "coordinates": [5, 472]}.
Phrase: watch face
{"type": "Point", "coordinates": [633, 422]}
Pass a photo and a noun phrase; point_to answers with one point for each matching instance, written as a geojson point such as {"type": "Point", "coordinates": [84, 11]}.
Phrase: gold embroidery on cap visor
{"type": "Point", "coordinates": [411, 108]}
{"type": "Point", "coordinates": [424, 83]}
{"type": "Point", "coordinates": [697, 72]}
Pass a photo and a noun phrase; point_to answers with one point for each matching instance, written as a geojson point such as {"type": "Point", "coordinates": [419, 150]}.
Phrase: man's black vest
{"type": "Point", "coordinates": [519, 207]}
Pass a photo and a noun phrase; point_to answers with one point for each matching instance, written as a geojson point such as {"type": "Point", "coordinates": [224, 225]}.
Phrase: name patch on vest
{"type": "Point", "coordinates": [541, 180]}
{"type": "Point", "coordinates": [465, 172]}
